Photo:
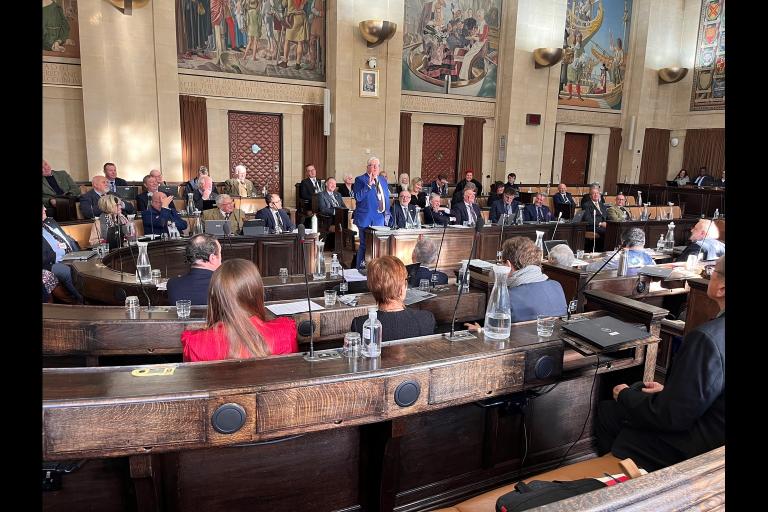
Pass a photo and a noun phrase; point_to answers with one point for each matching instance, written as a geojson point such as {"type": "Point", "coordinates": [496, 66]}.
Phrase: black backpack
{"type": "Point", "coordinates": [538, 492]}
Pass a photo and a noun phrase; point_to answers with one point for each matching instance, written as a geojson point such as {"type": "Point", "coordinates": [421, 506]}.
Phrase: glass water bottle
{"type": "Point", "coordinates": [669, 243]}
{"type": "Point", "coordinates": [143, 268]}
{"type": "Point", "coordinates": [319, 272]}
{"type": "Point", "coordinates": [335, 267]}
{"type": "Point", "coordinates": [498, 319]}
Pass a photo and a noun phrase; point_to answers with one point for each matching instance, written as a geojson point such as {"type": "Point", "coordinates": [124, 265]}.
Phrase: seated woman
{"type": "Point", "coordinates": [236, 325]}
{"type": "Point", "coordinates": [497, 193]}
{"type": "Point", "coordinates": [388, 282]}
{"type": "Point", "coordinates": [682, 178]}
{"type": "Point", "coordinates": [425, 255]}
{"type": "Point", "coordinates": [418, 196]}
{"type": "Point", "coordinates": [633, 241]}
{"type": "Point", "coordinates": [111, 216]}
{"type": "Point", "coordinates": [204, 192]}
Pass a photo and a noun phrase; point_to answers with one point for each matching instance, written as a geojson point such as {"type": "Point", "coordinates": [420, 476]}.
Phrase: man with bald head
{"type": "Point", "coordinates": [159, 214]}
{"type": "Point", "coordinates": [403, 213]}
{"type": "Point", "coordinates": [372, 201]}
{"type": "Point", "coordinates": [239, 186]}
{"type": "Point", "coordinates": [89, 202]}
{"type": "Point", "coordinates": [704, 242]}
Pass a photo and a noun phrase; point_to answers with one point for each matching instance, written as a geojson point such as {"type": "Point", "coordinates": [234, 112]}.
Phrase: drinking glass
{"type": "Point", "coordinates": [545, 325]}
{"type": "Point", "coordinates": [183, 308]}
{"type": "Point", "coordinates": [283, 272]}
{"type": "Point", "coordinates": [424, 285]}
{"type": "Point", "coordinates": [330, 297]}
{"type": "Point", "coordinates": [580, 254]}
{"type": "Point", "coordinates": [351, 344]}
{"type": "Point", "coordinates": [131, 302]}
{"type": "Point", "coordinates": [156, 276]}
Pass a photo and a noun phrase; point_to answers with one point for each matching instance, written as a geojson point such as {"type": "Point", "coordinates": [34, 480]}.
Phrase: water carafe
{"type": "Point", "coordinates": [143, 268]}
{"type": "Point", "coordinates": [319, 272]}
{"type": "Point", "coordinates": [540, 241]}
{"type": "Point", "coordinates": [669, 242]}
{"type": "Point", "coordinates": [190, 204]}
{"type": "Point", "coordinates": [519, 218]}
{"type": "Point", "coordinates": [498, 319]}
{"type": "Point", "coordinates": [372, 334]}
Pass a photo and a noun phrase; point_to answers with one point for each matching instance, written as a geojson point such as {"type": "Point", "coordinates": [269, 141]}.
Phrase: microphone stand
{"type": "Point", "coordinates": [557, 223]}
{"type": "Point", "coordinates": [571, 304]}
{"type": "Point", "coordinates": [437, 261]}
{"type": "Point", "coordinates": [501, 233]}
{"type": "Point", "coordinates": [594, 230]}
{"type": "Point", "coordinates": [465, 335]}
{"type": "Point", "coordinates": [341, 258]}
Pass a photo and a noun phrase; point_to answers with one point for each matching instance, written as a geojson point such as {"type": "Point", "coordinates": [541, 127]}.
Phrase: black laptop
{"type": "Point", "coordinates": [215, 227]}
{"type": "Point", "coordinates": [606, 332]}
{"type": "Point", "coordinates": [671, 183]}
{"type": "Point", "coordinates": [549, 244]}
{"type": "Point", "coordinates": [255, 227]}
{"type": "Point", "coordinates": [169, 191]}
{"type": "Point", "coordinates": [126, 192]}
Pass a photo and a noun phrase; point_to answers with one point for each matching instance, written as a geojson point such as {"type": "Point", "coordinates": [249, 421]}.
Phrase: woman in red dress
{"type": "Point", "coordinates": [236, 327]}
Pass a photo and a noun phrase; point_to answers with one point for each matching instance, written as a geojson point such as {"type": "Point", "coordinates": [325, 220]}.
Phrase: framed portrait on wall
{"type": "Point", "coordinates": [369, 83]}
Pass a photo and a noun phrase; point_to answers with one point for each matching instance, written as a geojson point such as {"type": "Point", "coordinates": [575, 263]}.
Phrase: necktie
{"type": "Point", "coordinates": [333, 201]}
{"type": "Point", "coordinates": [380, 196]}
{"type": "Point", "coordinates": [565, 198]}
{"type": "Point", "coordinates": [226, 216]}
{"type": "Point", "coordinates": [538, 213]}
{"type": "Point", "coordinates": [509, 209]}
{"type": "Point", "coordinates": [112, 186]}
{"type": "Point", "coordinates": [472, 216]}
{"type": "Point", "coordinates": [279, 220]}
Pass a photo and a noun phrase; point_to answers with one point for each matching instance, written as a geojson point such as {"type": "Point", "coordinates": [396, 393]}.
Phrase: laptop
{"type": "Point", "coordinates": [549, 244]}
{"type": "Point", "coordinates": [254, 227]}
{"type": "Point", "coordinates": [606, 332]}
{"type": "Point", "coordinates": [78, 256]}
{"type": "Point", "coordinates": [566, 209]}
{"type": "Point", "coordinates": [169, 191]}
{"type": "Point", "coordinates": [126, 192]}
{"type": "Point", "coordinates": [215, 227]}
{"type": "Point", "coordinates": [671, 183]}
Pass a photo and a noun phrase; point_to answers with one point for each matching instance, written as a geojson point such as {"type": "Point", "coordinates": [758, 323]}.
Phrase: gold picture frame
{"type": "Point", "coordinates": [369, 83]}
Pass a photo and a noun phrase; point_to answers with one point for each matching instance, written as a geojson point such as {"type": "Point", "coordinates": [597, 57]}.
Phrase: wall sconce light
{"type": "Point", "coordinates": [127, 6]}
{"type": "Point", "coordinates": [672, 75]}
{"type": "Point", "coordinates": [545, 57]}
{"type": "Point", "coordinates": [376, 32]}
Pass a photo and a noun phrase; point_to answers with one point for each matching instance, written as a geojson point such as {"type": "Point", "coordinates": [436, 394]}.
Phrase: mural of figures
{"type": "Point", "coordinates": [60, 29]}
{"type": "Point", "coordinates": [451, 46]}
{"type": "Point", "coordinates": [709, 70]}
{"type": "Point", "coordinates": [596, 51]}
{"type": "Point", "coordinates": [274, 38]}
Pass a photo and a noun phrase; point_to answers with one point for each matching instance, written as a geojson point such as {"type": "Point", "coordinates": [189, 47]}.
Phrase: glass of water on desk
{"type": "Point", "coordinates": [545, 325]}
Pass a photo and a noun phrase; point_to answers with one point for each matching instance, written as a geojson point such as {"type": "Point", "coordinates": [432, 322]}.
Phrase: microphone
{"type": "Point", "coordinates": [341, 257]}
{"type": "Point", "coordinates": [572, 304]}
{"type": "Point", "coordinates": [465, 335]}
{"type": "Point", "coordinates": [437, 261]}
{"type": "Point", "coordinates": [227, 229]}
{"type": "Point", "coordinates": [557, 223]}
{"type": "Point", "coordinates": [594, 229]}
{"type": "Point", "coordinates": [306, 328]}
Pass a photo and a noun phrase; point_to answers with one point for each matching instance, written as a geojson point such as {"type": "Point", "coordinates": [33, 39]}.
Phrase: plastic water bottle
{"type": "Point", "coordinates": [519, 218]}
{"type": "Point", "coordinates": [335, 267]}
{"type": "Point", "coordinates": [660, 244]}
{"type": "Point", "coordinates": [498, 321]}
{"type": "Point", "coordinates": [190, 204]}
{"type": "Point", "coordinates": [669, 243]}
{"type": "Point", "coordinates": [464, 269]}
{"type": "Point", "coordinates": [372, 334]}
{"type": "Point", "coordinates": [717, 214]}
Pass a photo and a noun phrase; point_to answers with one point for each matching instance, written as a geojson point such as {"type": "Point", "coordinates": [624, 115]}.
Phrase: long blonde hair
{"type": "Point", "coordinates": [235, 294]}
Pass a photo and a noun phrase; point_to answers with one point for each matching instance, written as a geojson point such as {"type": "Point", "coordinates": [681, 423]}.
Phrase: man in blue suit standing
{"type": "Point", "coordinates": [203, 253]}
{"type": "Point", "coordinates": [372, 199]}
{"type": "Point", "coordinates": [537, 211]}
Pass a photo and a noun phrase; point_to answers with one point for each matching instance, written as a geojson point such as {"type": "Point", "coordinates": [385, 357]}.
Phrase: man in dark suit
{"type": "Point", "coordinates": [371, 201]}
{"type": "Point", "coordinates": [110, 172]}
{"type": "Point", "coordinates": [193, 185]}
{"type": "Point", "coordinates": [466, 210]}
{"type": "Point", "coordinates": [151, 185]}
{"type": "Point", "coordinates": [434, 213]}
{"type": "Point", "coordinates": [309, 187]}
{"type": "Point", "coordinates": [274, 216]}
{"type": "Point", "coordinates": [704, 179]}
{"type": "Point", "coordinates": [721, 182]}
{"type": "Point", "coordinates": [440, 185]}
{"type": "Point", "coordinates": [586, 198]}
{"type": "Point", "coordinates": [203, 253]}
{"type": "Point", "coordinates": [468, 178]}
{"type": "Point", "coordinates": [563, 196]}
{"type": "Point", "coordinates": [659, 425]}
{"type": "Point", "coordinates": [159, 214]}
{"type": "Point", "coordinates": [404, 214]}
{"type": "Point", "coordinates": [330, 199]}
{"type": "Point", "coordinates": [508, 205]}
{"type": "Point", "coordinates": [595, 211]}
{"type": "Point", "coordinates": [89, 202]}
{"type": "Point", "coordinates": [537, 211]}
{"type": "Point", "coordinates": [60, 243]}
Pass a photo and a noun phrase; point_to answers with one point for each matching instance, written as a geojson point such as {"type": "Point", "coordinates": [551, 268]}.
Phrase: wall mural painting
{"type": "Point", "coordinates": [61, 37]}
{"type": "Point", "coordinates": [268, 38]}
{"type": "Point", "coordinates": [709, 70]}
{"type": "Point", "coordinates": [596, 52]}
{"type": "Point", "coordinates": [451, 46]}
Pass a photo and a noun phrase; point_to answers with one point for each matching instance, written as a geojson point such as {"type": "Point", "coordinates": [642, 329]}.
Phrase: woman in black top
{"type": "Point", "coordinates": [388, 281]}
{"type": "Point", "coordinates": [497, 193]}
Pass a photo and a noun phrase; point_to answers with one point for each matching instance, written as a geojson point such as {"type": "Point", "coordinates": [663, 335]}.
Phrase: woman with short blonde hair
{"type": "Point", "coordinates": [111, 215]}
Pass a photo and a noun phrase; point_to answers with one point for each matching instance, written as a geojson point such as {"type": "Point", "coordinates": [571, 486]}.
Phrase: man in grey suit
{"type": "Point", "coordinates": [329, 199]}
{"type": "Point", "coordinates": [57, 183]}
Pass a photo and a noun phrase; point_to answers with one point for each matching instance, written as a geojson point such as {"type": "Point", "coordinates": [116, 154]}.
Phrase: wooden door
{"type": "Point", "coordinates": [576, 158]}
{"type": "Point", "coordinates": [255, 141]}
{"type": "Point", "coordinates": [439, 153]}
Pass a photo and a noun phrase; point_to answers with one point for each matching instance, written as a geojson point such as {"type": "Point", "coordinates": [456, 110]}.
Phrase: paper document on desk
{"type": "Point", "coordinates": [413, 295]}
{"type": "Point", "coordinates": [292, 308]}
{"type": "Point", "coordinates": [350, 299]}
{"type": "Point", "coordinates": [162, 285]}
{"type": "Point", "coordinates": [352, 275]}
{"type": "Point", "coordinates": [579, 263]}
{"type": "Point", "coordinates": [479, 263]}
{"type": "Point", "coordinates": [667, 273]}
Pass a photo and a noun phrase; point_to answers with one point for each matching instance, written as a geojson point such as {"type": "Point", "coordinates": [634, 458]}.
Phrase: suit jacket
{"type": "Point", "coordinates": [191, 186]}
{"type": "Point", "coordinates": [463, 183]}
{"type": "Point", "coordinates": [710, 247]}
{"type": "Point", "coordinates": [707, 181]}
{"type": "Point", "coordinates": [235, 219]}
{"type": "Point", "coordinates": [425, 273]}
{"type": "Point", "coordinates": [443, 191]}
{"type": "Point", "coordinates": [440, 217]}
{"type": "Point", "coordinates": [419, 199]}
{"type": "Point", "coordinates": [325, 204]}
{"type": "Point", "coordinates": [499, 208]}
{"type": "Point", "coordinates": [307, 190]}
{"type": "Point", "coordinates": [232, 187]}
{"type": "Point", "coordinates": [60, 235]}
{"type": "Point", "coordinates": [367, 203]}
{"type": "Point", "coordinates": [269, 219]}
{"type": "Point", "coordinates": [344, 190]}
{"type": "Point", "coordinates": [459, 210]}
{"type": "Point", "coordinates": [529, 213]}
{"type": "Point", "coordinates": [119, 182]}
{"type": "Point", "coordinates": [532, 299]}
{"type": "Point", "coordinates": [586, 199]}
{"type": "Point", "coordinates": [157, 222]}
{"type": "Point", "coordinates": [589, 207]}
{"type": "Point", "coordinates": [192, 286]}
{"type": "Point", "coordinates": [197, 198]}
{"type": "Point", "coordinates": [618, 213]}
{"type": "Point", "coordinates": [142, 202]}
{"type": "Point", "coordinates": [89, 205]}
{"type": "Point", "coordinates": [687, 417]}
{"type": "Point", "coordinates": [558, 199]}
{"type": "Point", "coordinates": [398, 216]}
{"type": "Point", "coordinates": [66, 183]}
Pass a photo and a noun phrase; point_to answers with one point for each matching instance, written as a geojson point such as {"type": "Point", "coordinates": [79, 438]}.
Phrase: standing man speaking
{"type": "Point", "coordinates": [372, 200]}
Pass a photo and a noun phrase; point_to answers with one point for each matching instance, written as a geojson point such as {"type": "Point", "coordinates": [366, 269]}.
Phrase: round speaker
{"type": "Point", "coordinates": [407, 392]}
{"type": "Point", "coordinates": [544, 367]}
{"type": "Point", "coordinates": [640, 287]}
{"type": "Point", "coordinates": [228, 418]}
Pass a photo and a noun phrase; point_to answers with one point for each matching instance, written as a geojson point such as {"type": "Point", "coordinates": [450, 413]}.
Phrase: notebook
{"type": "Point", "coordinates": [606, 332]}
{"type": "Point", "coordinates": [78, 256]}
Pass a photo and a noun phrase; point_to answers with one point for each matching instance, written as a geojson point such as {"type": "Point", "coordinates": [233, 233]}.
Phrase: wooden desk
{"type": "Point", "coordinates": [693, 201]}
{"type": "Point", "coordinates": [458, 241]}
{"type": "Point", "coordinates": [701, 308]}
{"type": "Point", "coordinates": [652, 228]}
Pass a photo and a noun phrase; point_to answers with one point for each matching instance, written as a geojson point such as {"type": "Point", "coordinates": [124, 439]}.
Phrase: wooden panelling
{"type": "Point", "coordinates": [503, 374]}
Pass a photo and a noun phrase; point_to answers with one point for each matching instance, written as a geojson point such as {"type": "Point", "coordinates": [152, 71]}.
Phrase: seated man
{"type": "Point", "coordinates": [563, 196]}
{"type": "Point", "coordinates": [425, 254]}
{"type": "Point", "coordinates": [57, 183]}
{"type": "Point", "coordinates": [704, 179]}
{"type": "Point", "coordinates": [239, 186]}
{"type": "Point", "coordinates": [468, 178]}
{"type": "Point", "coordinates": [159, 214]}
{"type": "Point", "coordinates": [508, 205]}
{"type": "Point", "coordinates": [403, 213]}
{"type": "Point", "coordinates": [659, 425]}
{"type": "Point", "coordinates": [110, 172]}
{"type": "Point", "coordinates": [511, 177]}
{"type": "Point", "coordinates": [595, 211]}
{"type": "Point", "coordinates": [440, 185]}
{"type": "Point", "coordinates": [586, 198]}
{"type": "Point", "coordinates": [436, 214]}
{"type": "Point", "coordinates": [89, 202]}
{"type": "Point", "coordinates": [205, 192]}
{"type": "Point", "coordinates": [345, 189]}
{"type": "Point", "coordinates": [192, 185]}
{"type": "Point", "coordinates": [151, 185]}
{"type": "Point", "coordinates": [561, 255]}
{"type": "Point", "coordinates": [467, 210]}
{"type": "Point", "coordinates": [619, 211]}
{"type": "Point", "coordinates": [60, 243]}
{"type": "Point", "coordinates": [225, 210]}
{"type": "Point", "coordinates": [704, 240]}
{"type": "Point", "coordinates": [275, 218]}
{"type": "Point", "coordinates": [329, 199]}
{"type": "Point", "coordinates": [633, 243]}
{"type": "Point", "coordinates": [537, 211]}
{"type": "Point", "coordinates": [158, 175]}
{"type": "Point", "coordinates": [203, 253]}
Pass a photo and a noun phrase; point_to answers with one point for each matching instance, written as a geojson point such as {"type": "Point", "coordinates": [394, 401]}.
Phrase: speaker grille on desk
{"type": "Point", "coordinates": [228, 418]}
{"type": "Point", "coordinates": [407, 392]}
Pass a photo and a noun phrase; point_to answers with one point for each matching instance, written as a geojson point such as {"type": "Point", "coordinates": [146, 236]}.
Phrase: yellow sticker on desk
{"type": "Point", "coordinates": [153, 372]}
